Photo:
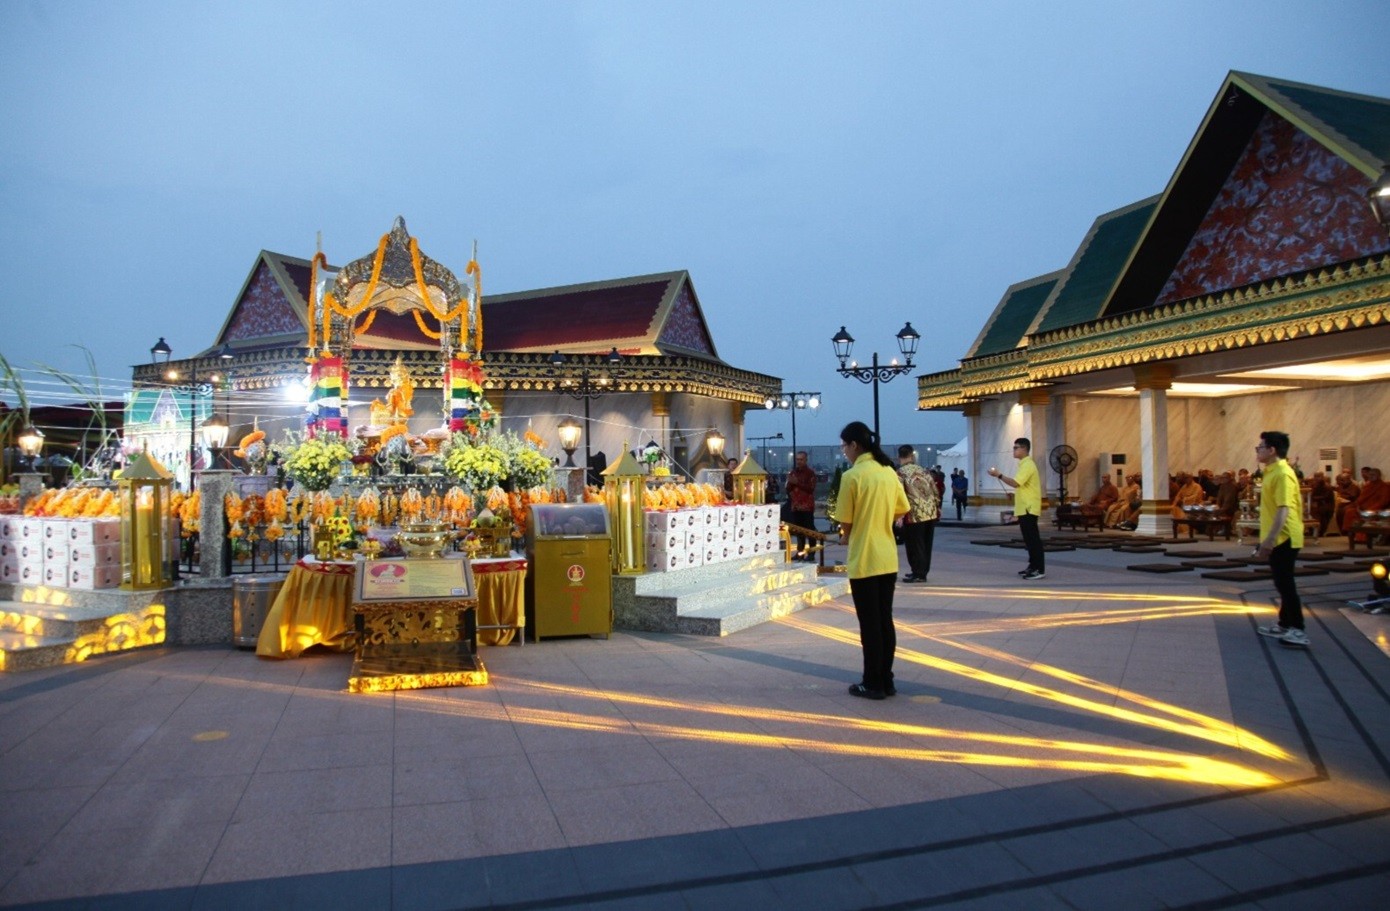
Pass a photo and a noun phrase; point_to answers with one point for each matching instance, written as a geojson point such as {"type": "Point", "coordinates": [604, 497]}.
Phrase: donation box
{"type": "Point", "coordinates": [569, 589]}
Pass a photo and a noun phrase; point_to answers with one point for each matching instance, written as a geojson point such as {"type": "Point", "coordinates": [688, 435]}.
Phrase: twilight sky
{"type": "Point", "coordinates": [811, 164]}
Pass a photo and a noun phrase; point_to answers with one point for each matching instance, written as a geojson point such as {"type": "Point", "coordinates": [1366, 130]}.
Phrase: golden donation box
{"type": "Point", "coordinates": [569, 589]}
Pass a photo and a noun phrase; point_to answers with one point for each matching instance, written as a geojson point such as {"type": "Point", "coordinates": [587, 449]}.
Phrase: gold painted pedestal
{"type": "Point", "coordinates": [411, 645]}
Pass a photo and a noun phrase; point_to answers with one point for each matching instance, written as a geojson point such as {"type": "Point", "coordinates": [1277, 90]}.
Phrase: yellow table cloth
{"type": "Point", "coordinates": [311, 609]}
{"type": "Point", "coordinates": [501, 585]}
{"type": "Point", "coordinates": [314, 606]}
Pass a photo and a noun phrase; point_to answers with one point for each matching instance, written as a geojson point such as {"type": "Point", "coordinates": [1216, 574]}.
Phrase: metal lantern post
{"type": "Point", "coordinates": [622, 491]}
{"type": "Point", "coordinates": [30, 442]}
{"type": "Point", "coordinates": [762, 443]}
{"type": "Point", "coordinates": [585, 388]}
{"type": "Point", "coordinates": [144, 495]}
{"type": "Point", "coordinates": [160, 353]}
{"type": "Point", "coordinates": [569, 430]}
{"type": "Point", "coordinates": [876, 373]}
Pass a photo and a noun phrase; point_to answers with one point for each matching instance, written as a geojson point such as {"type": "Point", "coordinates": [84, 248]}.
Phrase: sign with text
{"type": "Point", "coordinates": [404, 579]}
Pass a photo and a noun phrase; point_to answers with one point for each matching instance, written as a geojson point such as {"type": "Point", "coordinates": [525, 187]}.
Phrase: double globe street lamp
{"type": "Point", "coordinates": [876, 373]}
{"type": "Point", "coordinates": [587, 388]}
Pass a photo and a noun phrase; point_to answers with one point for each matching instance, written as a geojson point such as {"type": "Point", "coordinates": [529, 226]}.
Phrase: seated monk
{"type": "Point", "coordinates": [1125, 510]}
{"type": "Point", "coordinates": [1189, 494]}
{"type": "Point", "coordinates": [1104, 498]}
{"type": "Point", "coordinates": [1227, 495]}
{"type": "Point", "coordinates": [1322, 502]}
{"type": "Point", "coordinates": [1375, 496]}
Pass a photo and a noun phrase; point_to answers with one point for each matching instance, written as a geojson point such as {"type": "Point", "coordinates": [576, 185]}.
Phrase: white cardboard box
{"type": "Point", "coordinates": [55, 554]}
{"type": "Point", "coordinates": [95, 531]}
{"type": "Point", "coordinates": [728, 515]}
{"type": "Point", "coordinates": [9, 550]}
{"type": "Point", "coordinates": [89, 556]}
{"type": "Point", "coordinates": [95, 577]}
{"type": "Point", "coordinates": [31, 553]}
{"type": "Point", "coordinates": [30, 574]}
{"type": "Point", "coordinates": [29, 529]}
{"type": "Point", "coordinates": [9, 528]}
{"type": "Point", "coordinates": [9, 569]}
{"type": "Point", "coordinates": [56, 530]}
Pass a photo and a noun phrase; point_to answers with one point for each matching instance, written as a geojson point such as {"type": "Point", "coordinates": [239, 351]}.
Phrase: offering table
{"type": "Point", "coordinates": [314, 606]}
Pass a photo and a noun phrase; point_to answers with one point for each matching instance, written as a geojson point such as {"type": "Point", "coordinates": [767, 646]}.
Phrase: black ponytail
{"type": "Point", "coordinates": [858, 433]}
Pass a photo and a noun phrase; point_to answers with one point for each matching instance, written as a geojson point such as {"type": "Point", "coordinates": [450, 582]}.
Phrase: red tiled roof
{"type": "Point", "coordinates": [566, 317]}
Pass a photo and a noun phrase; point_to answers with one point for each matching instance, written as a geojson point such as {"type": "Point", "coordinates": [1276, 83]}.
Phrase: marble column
{"type": "Point", "coordinates": [214, 486]}
{"type": "Point", "coordinates": [30, 486]}
{"type": "Point", "coordinates": [1035, 402]}
{"type": "Point", "coordinates": [975, 468]}
{"type": "Point", "coordinates": [571, 481]}
{"type": "Point", "coordinates": [1153, 382]}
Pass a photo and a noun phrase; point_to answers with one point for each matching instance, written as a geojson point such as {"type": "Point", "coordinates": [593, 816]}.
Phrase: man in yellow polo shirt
{"type": "Point", "coordinates": [1027, 506]}
{"type": "Point", "coordinates": [1281, 534]}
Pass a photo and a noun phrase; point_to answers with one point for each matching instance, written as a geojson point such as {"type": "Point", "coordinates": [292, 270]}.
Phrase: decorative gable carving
{"type": "Point", "coordinates": [684, 328]}
{"type": "Point", "coordinates": [263, 310]}
{"type": "Point", "coordinates": [1289, 206]}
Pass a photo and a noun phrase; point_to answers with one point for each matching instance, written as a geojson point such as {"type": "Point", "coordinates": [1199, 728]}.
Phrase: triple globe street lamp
{"type": "Point", "coordinates": [876, 373]}
{"type": "Point", "coordinates": [215, 429]}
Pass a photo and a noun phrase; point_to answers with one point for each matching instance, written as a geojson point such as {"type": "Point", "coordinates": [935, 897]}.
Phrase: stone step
{"type": "Point", "coordinates": [63, 622]}
{"type": "Point", "coordinates": [736, 587]}
{"type": "Point", "coordinates": [721, 598]}
{"type": "Point", "coordinates": [22, 652]}
{"type": "Point", "coordinates": [730, 617]}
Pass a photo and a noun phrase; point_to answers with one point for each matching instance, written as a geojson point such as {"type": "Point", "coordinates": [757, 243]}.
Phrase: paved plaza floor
{"type": "Point", "coordinates": [1101, 739]}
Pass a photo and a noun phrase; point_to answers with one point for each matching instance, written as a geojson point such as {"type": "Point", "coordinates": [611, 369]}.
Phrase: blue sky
{"type": "Point", "coordinates": [811, 164]}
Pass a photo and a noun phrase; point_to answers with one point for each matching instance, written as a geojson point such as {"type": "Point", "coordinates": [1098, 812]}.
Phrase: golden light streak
{"type": "Point", "coordinates": [1210, 729]}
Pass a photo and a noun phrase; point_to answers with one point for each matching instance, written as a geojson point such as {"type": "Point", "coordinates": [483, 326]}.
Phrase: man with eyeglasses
{"type": "Point", "coordinates": [1281, 535]}
{"type": "Point", "coordinates": [1027, 506]}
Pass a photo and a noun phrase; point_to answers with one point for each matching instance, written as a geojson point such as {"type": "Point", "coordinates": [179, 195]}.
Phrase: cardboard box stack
{"type": "Point", "coordinates": [63, 553]}
{"type": "Point", "coordinates": [682, 538]}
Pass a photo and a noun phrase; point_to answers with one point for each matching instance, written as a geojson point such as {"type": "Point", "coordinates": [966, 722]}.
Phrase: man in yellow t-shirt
{"type": "Point", "coordinates": [1027, 506]}
{"type": "Point", "coordinates": [1281, 534]}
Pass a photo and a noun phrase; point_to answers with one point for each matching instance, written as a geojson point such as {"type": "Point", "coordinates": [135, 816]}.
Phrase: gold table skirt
{"type": "Point", "coordinates": [314, 606]}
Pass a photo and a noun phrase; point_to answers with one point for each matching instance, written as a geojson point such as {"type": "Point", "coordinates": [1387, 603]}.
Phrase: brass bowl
{"type": "Point", "coordinates": [424, 539]}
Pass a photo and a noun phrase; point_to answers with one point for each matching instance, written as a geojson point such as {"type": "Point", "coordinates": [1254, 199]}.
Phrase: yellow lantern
{"type": "Point", "coordinates": [622, 490]}
{"type": "Point", "coordinates": [145, 487]}
{"type": "Point", "coordinates": [750, 481]}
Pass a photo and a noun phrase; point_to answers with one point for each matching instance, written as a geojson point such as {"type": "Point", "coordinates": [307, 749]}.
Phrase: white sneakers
{"type": "Point", "coordinates": [1294, 638]}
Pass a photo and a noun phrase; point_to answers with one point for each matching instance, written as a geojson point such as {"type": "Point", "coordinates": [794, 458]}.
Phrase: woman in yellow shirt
{"type": "Point", "coordinates": [871, 499]}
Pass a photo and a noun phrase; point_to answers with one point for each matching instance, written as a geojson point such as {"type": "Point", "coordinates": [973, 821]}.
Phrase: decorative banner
{"type": "Point", "coordinates": [328, 381]}
{"type": "Point", "coordinates": [464, 388]}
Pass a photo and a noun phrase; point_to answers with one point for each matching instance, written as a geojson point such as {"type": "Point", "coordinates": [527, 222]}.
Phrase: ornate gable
{"type": "Point", "coordinates": [684, 327]}
{"type": "Point", "coordinates": [264, 309]}
{"type": "Point", "coordinates": [1288, 206]}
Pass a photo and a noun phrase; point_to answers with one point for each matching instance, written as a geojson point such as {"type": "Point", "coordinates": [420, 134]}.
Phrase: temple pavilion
{"type": "Point", "coordinates": [633, 358]}
{"type": "Point", "coordinates": [1251, 293]}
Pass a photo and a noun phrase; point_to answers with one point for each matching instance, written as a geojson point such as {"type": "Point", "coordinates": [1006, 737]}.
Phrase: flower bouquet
{"type": "Point", "coordinates": [314, 463]}
{"type": "Point", "coordinates": [526, 465]}
{"type": "Point", "coordinates": [476, 466]}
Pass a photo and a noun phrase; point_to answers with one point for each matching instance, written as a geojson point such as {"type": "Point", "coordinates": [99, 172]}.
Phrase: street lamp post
{"type": "Point", "coordinates": [793, 402]}
{"type": "Point", "coordinates": [586, 388]}
{"type": "Point", "coordinates": [160, 353]}
{"type": "Point", "coordinates": [876, 373]}
{"type": "Point", "coordinates": [767, 450]}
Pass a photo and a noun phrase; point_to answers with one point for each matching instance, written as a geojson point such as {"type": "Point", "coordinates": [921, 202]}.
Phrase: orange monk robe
{"type": "Point", "coordinates": [1106, 496]}
{"type": "Point", "coordinates": [1122, 510]}
{"type": "Point", "coordinates": [1374, 496]}
{"type": "Point", "coordinates": [1189, 494]}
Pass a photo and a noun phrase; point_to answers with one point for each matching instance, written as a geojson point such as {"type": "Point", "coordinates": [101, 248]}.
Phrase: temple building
{"type": "Point", "coordinates": [1250, 294]}
{"type": "Point", "coordinates": [632, 358]}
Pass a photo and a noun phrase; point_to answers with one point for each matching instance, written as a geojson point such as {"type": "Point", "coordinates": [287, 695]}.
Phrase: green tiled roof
{"type": "Point", "coordinates": [1360, 118]}
{"type": "Point", "coordinates": [1080, 296]}
{"type": "Point", "coordinates": [1009, 323]}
